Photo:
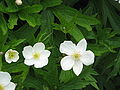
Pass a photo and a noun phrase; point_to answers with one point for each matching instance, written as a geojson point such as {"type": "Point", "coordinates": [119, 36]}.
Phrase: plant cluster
{"type": "Point", "coordinates": [45, 43]}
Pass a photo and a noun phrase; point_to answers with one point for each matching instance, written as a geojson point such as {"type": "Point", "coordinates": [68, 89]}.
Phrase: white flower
{"type": "Point", "coordinates": [18, 2]}
{"type": "Point", "coordinates": [76, 56]}
{"type": "Point", "coordinates": [36, 55]}
{"type": "Point", "coordinates": [11, 56]}
{"type": "Point", "coordinates": [118, 1]}
{"type": "Point", "coordinates": [5, 81]}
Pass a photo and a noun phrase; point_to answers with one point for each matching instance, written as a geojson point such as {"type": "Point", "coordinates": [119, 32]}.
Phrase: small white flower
{"type": "Point", "coordinates": [11, 56]}
{"type": "Point", "coordinates": [77, 56]}
{"type": "Point", "coordinates": [36, 55]}
{"type": "Point", "coordinates": [18, 2]}
{"type": "Point", "coordinates": [118, 1]}
{"type": "Point", "coordinates": [5, 81]}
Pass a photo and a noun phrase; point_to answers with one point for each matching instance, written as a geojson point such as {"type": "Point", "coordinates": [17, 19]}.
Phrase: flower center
{"type": "Point", "coordinates": [1, 87]}
{"type": "Point", "coordinates": [76, 56]}
{"type": "Point", "coordinates": [36, 55]}
{"type": "Point", "coordinates": [11, 55]}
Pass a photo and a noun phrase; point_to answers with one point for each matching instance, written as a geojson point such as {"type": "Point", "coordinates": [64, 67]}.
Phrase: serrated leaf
{"type": "Point", "coordinates": [65, 76]}
{"type": "Point", "coordinates": [78, 84]}
{"type": "Point", "coordinates": [32, 19]}
{"type": "Point", "coordinates": [33, 83]}
{"type": "Point", "coordinates": [93, 83]}
{"type": "Point", "coordinates": [12, 20]}
{"type": "Point", "coordinates": [66, 13]}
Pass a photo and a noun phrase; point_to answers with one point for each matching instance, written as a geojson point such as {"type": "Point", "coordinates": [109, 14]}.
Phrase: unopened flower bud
{"type": "Point", "coordinates": [1, 53]}
{"type": "Point", "coordinates": [18, 2]}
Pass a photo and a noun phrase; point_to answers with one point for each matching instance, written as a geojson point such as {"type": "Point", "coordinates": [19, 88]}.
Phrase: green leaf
{"type": "Point", "coordinates": [50, 3]}
{"type": "Point", "coordinates": [115, 4]}
{"type": "Point", "coordinates": [93, 83]}
{"type": "Point", "coordinates": [2, 6]}
{"type": "Point", "coordinates": [33, 83]}
{"type": "Point", "coordinates": [116, 68]}
{"type": "Point", "coordinates": [66, 13]}
{"type": "Point", "coordinates": [113, 42]}
{"type": "Point", "coordinates": [78, 84]}
{"type": "Point", "coordinates": [11, 6]}
{"type": "Point", "coordinates": [76, 33]}
{"type": "Point", "coordinates": [65, 76]}
{"type": "Point", "coordinates": [14, 67]}
{"type": "Point", "coordinates": [46, 33]}
{"type": "Point", "coordinates": [3, 25]}
{"type": "Point", "coordinates": [108, 14]}
{"type": "Point", "coordinates": [15, 42]}
{"type": "Point", "coordinates": [70, 2]}
{"type": "Point", "coordinates": [36, 8]}
{"type": "Point", "coordinates": [3, 33]}
{"type": "Point", "coordinates": [98, 49]}
{"type": "Point", "coordinates": [25, 32]}
{"type": "Point", "coordinates": [69, 27]}
{"type": "Point", "coordinates": [32, 19]}
{"type": "Point", "coordinates": [12, 20]}
{"type": "Point", "coordinates": [19, 69]}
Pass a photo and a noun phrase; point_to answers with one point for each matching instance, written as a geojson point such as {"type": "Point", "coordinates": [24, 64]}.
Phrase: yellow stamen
{"type": "Point", "coordinates": [36, 55]}
{"type": "Point", "coordinates": [1, 87]}
{"type": "Point", "coordinates": [11, 55]}
{"type": "Point", "coordinates": [76, 56]}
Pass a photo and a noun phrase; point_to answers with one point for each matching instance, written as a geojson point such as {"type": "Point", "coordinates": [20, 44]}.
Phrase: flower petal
{"type": "Point", "coordinates": [41, 63]}
{"type": "Point", "coordinates": [77, 68]}
{"type": "Point", "coordinates": [4, 78]}
{"type": "Point", "coordinates": [39, 47]}
{"type": "Point", "coordinates": [14, 59]}
{"type": "Point", "coordinates": [10, 86]}
{"type": "Point", "coordinates": [29, 62]}
{"type": "Point", "coordinates": [27, 52]}
{"type": "Point", "coordinates": [45, 54]}
{"type": "Point", "coordinates": [87, 57]}
{"type": "Point", "coordinates": [67, 63]}
{"type": "Point", "coordinates": [67, 47]}
{"type": "Point", "coordinates": [8, 60]}
{"type": "Point", "coordinates": [81, 46]}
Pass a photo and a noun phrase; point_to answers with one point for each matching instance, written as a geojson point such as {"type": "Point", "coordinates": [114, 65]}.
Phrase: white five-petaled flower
{"type": "Point", "coordinates": [11, 56]}
{"type": "Point", "coordinates": [76, 56]}
{"type": "Point", "coordinates": [18, 2]}
{"type": "Point", "coordinates": [36, 55]}
{"type": "Point", "coordinates": [5, 81]}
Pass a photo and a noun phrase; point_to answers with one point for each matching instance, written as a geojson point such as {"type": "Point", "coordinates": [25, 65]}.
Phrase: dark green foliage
{"type": "Point", "coordinates": [52, 22]}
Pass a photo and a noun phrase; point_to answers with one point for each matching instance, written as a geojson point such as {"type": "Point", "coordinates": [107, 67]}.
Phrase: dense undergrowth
{"type": "Point", "coordinates": [52, 22]}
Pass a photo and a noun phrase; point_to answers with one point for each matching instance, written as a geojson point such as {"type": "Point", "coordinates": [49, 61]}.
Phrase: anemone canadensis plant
{"type": "Point", "coordinates": [60, 44]}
